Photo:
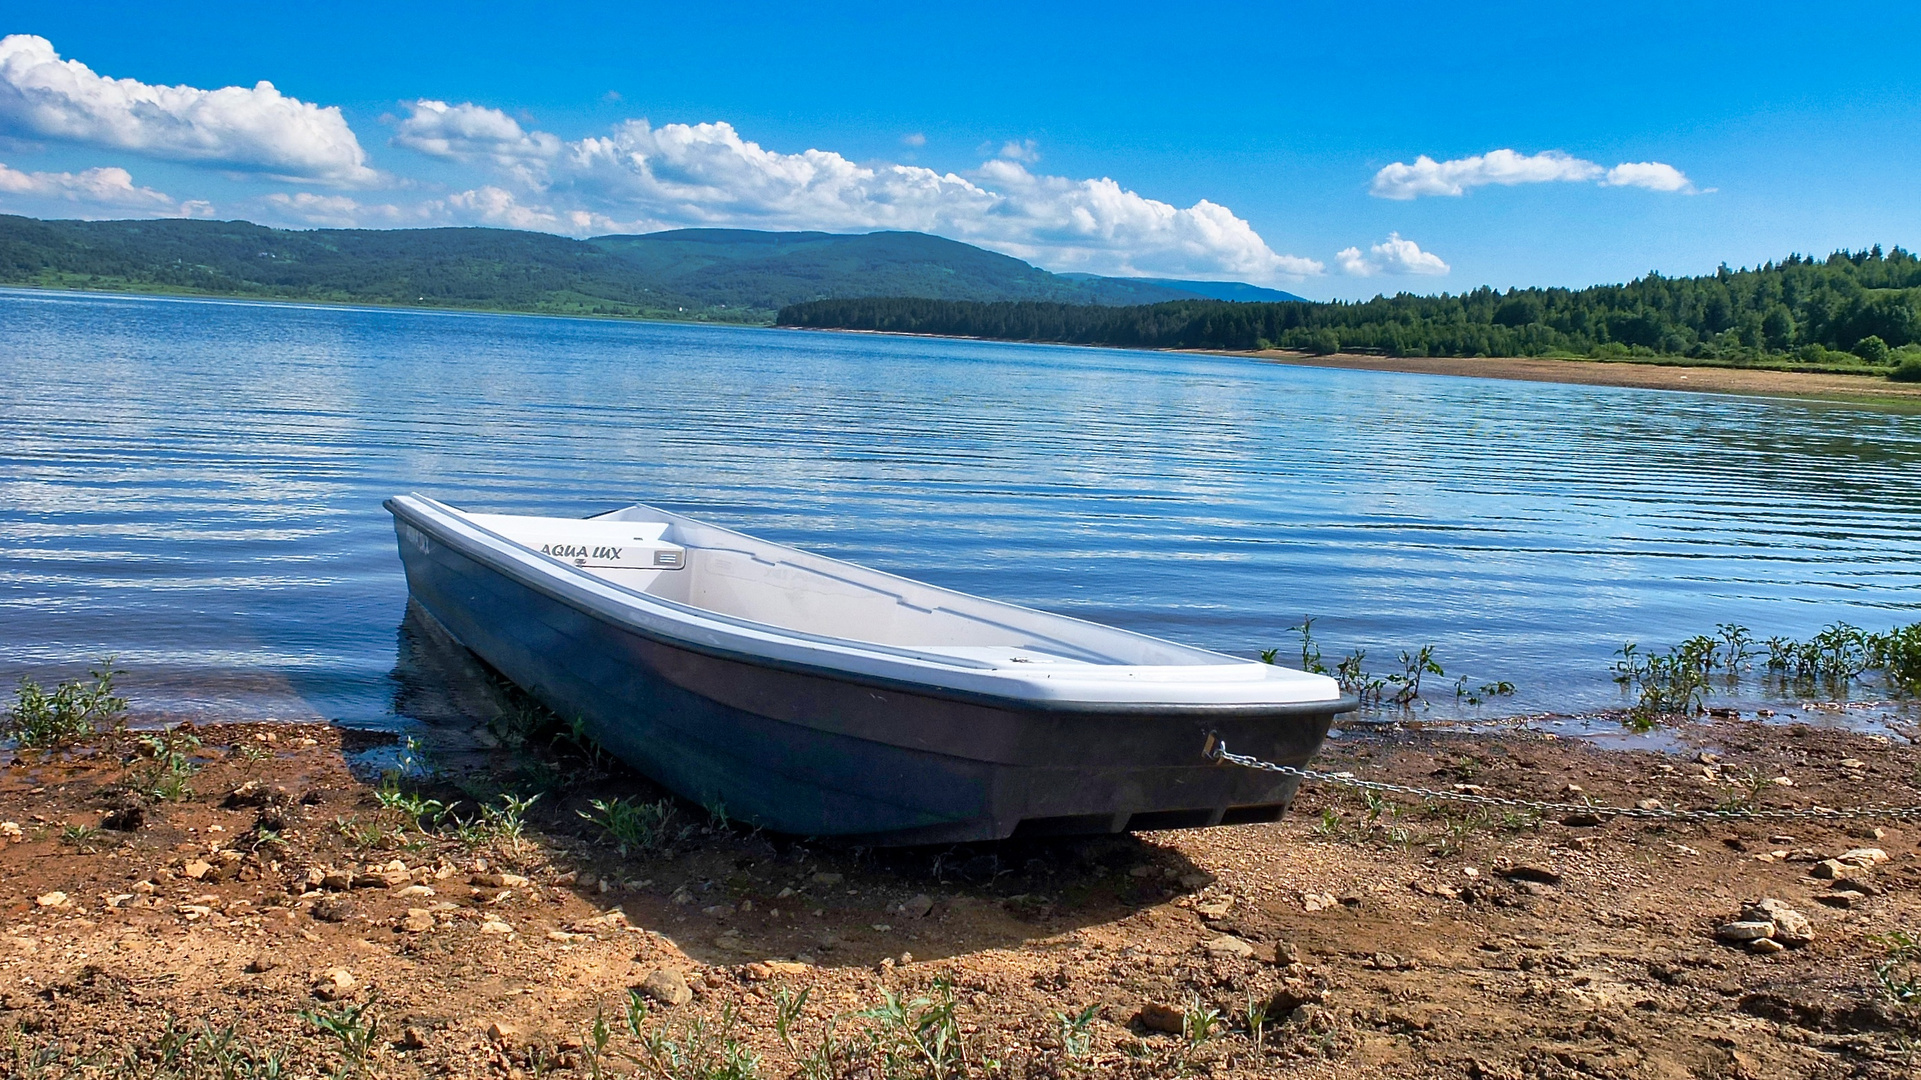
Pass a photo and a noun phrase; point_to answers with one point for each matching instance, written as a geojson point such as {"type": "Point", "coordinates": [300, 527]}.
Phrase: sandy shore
{"type": "Point", "coordinates": [1713, 380]}
{"type": "Point", "coordinates": [274, 897]}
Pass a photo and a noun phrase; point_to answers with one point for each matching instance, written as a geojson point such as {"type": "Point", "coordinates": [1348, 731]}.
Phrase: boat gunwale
{"type": "Point", "coordinates": [540, 582]}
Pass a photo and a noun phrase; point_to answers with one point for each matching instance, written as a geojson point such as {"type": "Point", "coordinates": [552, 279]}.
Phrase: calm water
{"type": "Point", "coordinates": [196, 486]}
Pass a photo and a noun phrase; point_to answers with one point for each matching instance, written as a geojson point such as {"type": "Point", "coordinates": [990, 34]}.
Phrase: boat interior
{"type": "Point", "coordinates": [691, 563]}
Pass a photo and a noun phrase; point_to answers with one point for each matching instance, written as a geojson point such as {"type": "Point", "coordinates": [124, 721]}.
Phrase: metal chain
{"type": "Point", "coordinates": [1217, 750]}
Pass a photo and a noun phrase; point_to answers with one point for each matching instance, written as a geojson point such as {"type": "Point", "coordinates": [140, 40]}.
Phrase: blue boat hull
{"type": "Point", "coordinates": [825, 754]}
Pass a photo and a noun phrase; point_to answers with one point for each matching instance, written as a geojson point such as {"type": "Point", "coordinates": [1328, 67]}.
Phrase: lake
{"type": "Point", "coordinates": [195, 487]}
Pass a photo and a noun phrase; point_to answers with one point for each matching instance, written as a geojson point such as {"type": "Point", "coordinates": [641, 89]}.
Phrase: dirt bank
{"type": "Point", "coordinates": [1714, 380]}
{"type": "Point", "coordinates": [252, 885]}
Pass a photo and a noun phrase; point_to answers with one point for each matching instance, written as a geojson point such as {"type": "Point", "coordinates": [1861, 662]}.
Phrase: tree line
{"type": "Point", "coordinates": [1851, 308]}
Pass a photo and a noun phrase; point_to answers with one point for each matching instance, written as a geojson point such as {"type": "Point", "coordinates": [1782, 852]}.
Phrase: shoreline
{"type": "Point", "coordinates": [249, 880]}
{"type": "Point", "coordinates": [1642, 374]}
{"type": "Point", "coordinates": [1755, 382]}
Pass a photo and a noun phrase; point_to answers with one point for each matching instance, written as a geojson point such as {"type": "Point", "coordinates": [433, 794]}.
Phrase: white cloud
{"type": "Point", "coordinates": [258, 129]}
{"type": "Point", "coordinates": [486, 205]}
{"type": "Point", "coordinates": [644, 177]}
{"type": "Point", "coordinates": [1021, 150]}
{"type": "Point", "coordinates": [1649, 174]}
{"type": "Point", "coordinates": [469, 132]}
{"type": "Point", "coordinates": [1430, 177]}
{"type": "Point", "coordinates": [111, 188]}
{"type": "Point", "coordinates": [913, 139]}
{"type": "Point", "coordinates": [1391, 256]}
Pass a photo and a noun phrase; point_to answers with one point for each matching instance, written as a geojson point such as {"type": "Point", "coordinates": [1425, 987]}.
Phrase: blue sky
{"type": "Point", "coordinates": [1284, 144]}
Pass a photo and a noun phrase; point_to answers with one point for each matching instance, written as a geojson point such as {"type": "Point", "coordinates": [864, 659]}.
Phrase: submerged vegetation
{"type": "Point", "coordinates": [1676, 683]}
{"type": "Point", "coordinates": [1852, 311]}
{"type": "Point", "coordinates": [1399, 688]}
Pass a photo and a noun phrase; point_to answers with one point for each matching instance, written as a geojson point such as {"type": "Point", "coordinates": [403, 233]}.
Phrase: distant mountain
{"type": "Point", "coordinates": [733, 275]}
{"type": "Point", "coordinates": [768, 270]}
{"type": "Point", "coordinates": [1238, 291]}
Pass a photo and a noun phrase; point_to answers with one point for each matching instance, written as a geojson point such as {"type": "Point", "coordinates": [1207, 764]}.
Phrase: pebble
{"type": "Point", "coordinates": [1765, 946]}
{"type": "Point", "coordinates": [496, 926]}
{"type": "Point", "coordinates": [417, 921]}
{"type": "Point", "coordinates": [1317, 901]}
{"type": "Point", "coordinates": [333, 909]}
{"type": "Point", "coordinates": [1155, 1016]}
{"type": "Point", "coordinates": [825, 878]}
{"type": "Point", "coordinates": [667, 986]}
{"type": "Point", "coordinates": [502, 1032]}
{"type": "Point", "coordinates": [918, 907]}
{"type": "Point", "coordinates": [334, 985]}
{"type": "Point", "coordinates": [54, 899]}
{"type": "Point", "coordinates": [1745, 930]}
{"type": "Point", "coordinates": [1862, 856]}
{"type": "Point", "coordinates": [1229, 947]}
{"type": "Point", "coordinates": [1790, 926]}
{"type": "Point", "coordinates": [498, 881]}
{"type": "Point", "coordinates": [1527, 872]}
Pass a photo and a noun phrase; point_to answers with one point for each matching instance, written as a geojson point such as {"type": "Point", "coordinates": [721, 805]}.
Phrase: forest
{"type": "Point", "coordinates": [1851, 310]}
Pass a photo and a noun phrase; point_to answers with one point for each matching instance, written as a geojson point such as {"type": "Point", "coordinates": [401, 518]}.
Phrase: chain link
{"type": "Point", "coordinates": [1217, 750]}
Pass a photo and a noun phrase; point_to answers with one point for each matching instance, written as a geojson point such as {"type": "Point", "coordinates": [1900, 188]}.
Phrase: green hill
{"type": "Point", "coordinates": [1854, 310]}
{"type": "Point", "coordinates": [717, 274]}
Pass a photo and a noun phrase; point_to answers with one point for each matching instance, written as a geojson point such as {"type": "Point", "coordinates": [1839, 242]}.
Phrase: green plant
{"type": "Point", "coordinates": [1330, 823]}
{"type": "Point", "coordinates": [508, 821]}
{"type": "Point", "coordinates": [70, 712]}
{"type": "Point", "coordinates": [169, 765]}
{"type": "Point", "coordinates": [1898, 971]}
{"type": "Point", "coordinates": [1310, 651]}
{"type": "Point", "coordinates": [700, 1051]}
{"type": "Point", "coordinates": [1484, 693]}
{"type": "Point", "coordinates": [249, 753]}
{"type": "Point", "coordinates": [424, 813]}
{"type": "Point", "coordinates": [1897, 654]}
{"type": "Point", "coordinates": [1255, 1016]}
{"type": "Point", "coordinates": [353, 1026]}
{"type": "Point", "coordinates": [1352, 674]}
{"type": "Point", "coordinates": [917, 1036]}
{"type": "Point", "coordinates": [1075, 1031]}
{"type": "Point", "coordinates": [632, 825]}
{"type": "Point", "coordinates": [80, 836]}
{"type": "Point", "coordinates": [1908, 370]}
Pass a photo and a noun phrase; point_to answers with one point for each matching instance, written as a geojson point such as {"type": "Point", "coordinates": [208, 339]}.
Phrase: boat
{"type": "Point", "coordinates": [819, 698]}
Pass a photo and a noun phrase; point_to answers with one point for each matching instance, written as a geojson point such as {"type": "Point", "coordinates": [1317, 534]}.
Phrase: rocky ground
{"type": "Point", "coordinates": [235, 901]}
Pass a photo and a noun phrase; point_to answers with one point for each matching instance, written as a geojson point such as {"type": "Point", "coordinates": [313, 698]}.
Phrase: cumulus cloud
{"type": "Point", "coordinates": [914, 138]}
{"type": "Point", "coordinates": [257, 129]}
{"type": "Point", "coordinates": [469, 132]}
{"type": "Point", "coordinates": [1427, 176]}
{"type": "Point", "coordinates": [1393, 255]}
{"type": "Point", "coordinates": [487, 205]}
{"type": "Point", "coordinates": [1021, 150]}
{"type": "Point", "coordinates": [108, 188]}
{"type": "Point", "coordinates": [639, 176]}
{"type": "Point", "coordinates": [1648, 174]}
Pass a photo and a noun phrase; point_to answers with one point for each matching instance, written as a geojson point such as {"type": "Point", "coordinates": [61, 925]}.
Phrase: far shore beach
{"type": "Point", "coordinates": [1712, 380]}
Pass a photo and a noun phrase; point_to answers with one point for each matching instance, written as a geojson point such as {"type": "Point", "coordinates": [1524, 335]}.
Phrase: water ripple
{"type": "Point", "coordinates": [195, 485]}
